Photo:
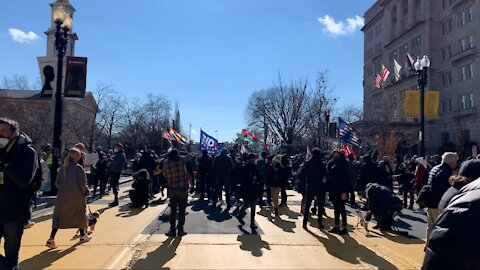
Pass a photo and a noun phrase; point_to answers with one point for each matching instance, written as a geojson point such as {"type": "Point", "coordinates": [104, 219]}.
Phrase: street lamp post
{"type": "Point", "coordinates": [63, 23]}
{"type": "Point", "coordinates": [421, 67]}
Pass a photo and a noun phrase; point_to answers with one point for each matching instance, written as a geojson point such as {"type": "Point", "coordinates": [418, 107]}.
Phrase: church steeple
{"type": "Point", "coordinates": [51, 50]}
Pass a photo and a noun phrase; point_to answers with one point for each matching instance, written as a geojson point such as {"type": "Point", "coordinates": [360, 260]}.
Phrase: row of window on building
{"type": "Point", "coordinates": [465, 102]}
{"type": "Point", "coordinates": [463, 17]}
{"type": "Point", "coordinates": [465, 73]}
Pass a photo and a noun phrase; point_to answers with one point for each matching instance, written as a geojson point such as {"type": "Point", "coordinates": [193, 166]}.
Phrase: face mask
{"type": "Point", "coordinates": [3, 142]}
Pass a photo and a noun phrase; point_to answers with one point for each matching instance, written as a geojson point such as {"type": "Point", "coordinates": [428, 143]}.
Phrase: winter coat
{"type": "Point", "coordinates": [118, 162]}
{"type": "Point", "coordinates": [448, 195]}
{"type": "Point", "coordinates": [315, 171]}
{"type": "Point", "coordinates": [222, 167]}
{"type": "Point", "coordinates": [421, 177]}
{"type": "Point", "coordinates": [262, 168]}
{"type": "Point", "coordinates": [368, 174]}
{"type": "Point", "coordinates": [19, 165]}
{"type": "Point", "coordinates": [338, 178]}
{"type": "Point", "coordinates": [385, 173]}
{"type": "Point", "coordinates": [101, 169]}
{"type": "Point", "coordinates": [148, 163]}
{"type": "Point", "coordinates": [353, 169]}
{"type": "Point", "coordinates": [381, 200]}
{"type": "Point", "coordinates": [70, 206]}
{"type": "Point", "coordinates": [205, 167]}
{"type": "Point", "coordinates": [250, 182]}
{"type": "Point", "coordinates": [407, 176]}
{"type": "Point", "coordinates": [277, 176]}
{"type": "Point", "coordinates": [453, 243]}
{"type": "Point", "coordinates": [438, 180]}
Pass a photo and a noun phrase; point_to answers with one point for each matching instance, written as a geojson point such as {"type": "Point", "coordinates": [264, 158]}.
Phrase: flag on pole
{"type": "Point", "coordinates": [167, 136]}
{"type": "Point", "coordinates": [210, 144]}
{"type": "Point", "coordinates": [411, 62]}
{"type": "Point", "coordinates": [348, 134]}
{"type": "Point", "coordinates": [378, 81]}
{"type": "Point", "coordinates": [348, 150]}
{"type": "Point", "coordinates": [396, 70]}
{"type": "Point", "coordinates": [385, 73]}
{"type": "Point", "coordinates": [249, 137]}
{"type": "Point", "coordinates": [177, 136]}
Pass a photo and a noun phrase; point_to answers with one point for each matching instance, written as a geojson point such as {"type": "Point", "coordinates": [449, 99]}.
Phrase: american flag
{"type": "Point", "coordinates": [347, 134]}
{"type": "Point", "coordinates": [378, 81]}
{"type": "Point", "coordinates": [385, 73]}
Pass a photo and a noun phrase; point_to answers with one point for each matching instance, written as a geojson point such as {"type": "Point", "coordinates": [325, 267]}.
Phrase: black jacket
{"type": "Point", "coordinates": [19, 165]}
{"type": "Point", "coordinates": [381, 199]}
{"type": "Point", "coordinates": [250, 182]}
{"type": "Point", "coordinates": [338, 178]}
{"type": "Point", "coordinates": [368, 173]}
{"type": "Point", "coordinates": [315, 171]}
{"type": "Point", "coordinates": [277, 176]}
{"type": "Point", "coordinates": [438, 180]}
{"type": "Point", "coordinates": [453, 243]}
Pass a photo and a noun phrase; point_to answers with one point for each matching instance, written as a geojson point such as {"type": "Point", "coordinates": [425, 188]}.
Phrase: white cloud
{"type": "Point", "coordinates": [22, 37]}
{"type": "Point", "coordinates": [344, 28]}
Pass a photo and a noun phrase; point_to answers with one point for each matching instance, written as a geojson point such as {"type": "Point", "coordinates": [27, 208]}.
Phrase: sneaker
{"type": "Point", "coordinates": [171, 233]}
{"type": "Point", "coordinates": [85, 238]}
{"type": "Point", "coordinates": [343, 231]}
{"type": "Point", "coordinates": [51, 244]}
{"type": "Point", "coordinates": [29, 224]}
{"type": "Point", "coordinates": [334, 230]}
{"type": "Point", "coordinates": [181, 232]}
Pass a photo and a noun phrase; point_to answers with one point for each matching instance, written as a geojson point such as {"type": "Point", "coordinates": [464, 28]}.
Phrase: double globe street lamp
{"type": "Point", "coordinates": [421, 67]}
{"type": "Point", "coordinates": [64, 24]}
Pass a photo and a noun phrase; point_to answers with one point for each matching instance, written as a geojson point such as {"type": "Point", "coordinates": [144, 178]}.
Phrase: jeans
{"type": "Point", "coordinates": [12, 232]}
{"type": "Point", "coordinates": [252, 204]}
{"type": "Point", "coordinates": [339, 209]}
{"type": "Point", "coordinates": [178, 200]}
{"type": "Point", "coordinates": [218, 194]}
{"type": "Point", "coordinates": [114, 178]}
{"type": "Point", "coordinates": [284, 196]}
{"type": "Point", "coordinates": [407, 192]}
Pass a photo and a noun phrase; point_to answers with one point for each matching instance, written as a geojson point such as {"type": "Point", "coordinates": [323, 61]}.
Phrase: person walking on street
{"type": "Point", "coordinates": [205, 175]}
{"type": "Point", "coordinates": [277, 178]}
{"type": "Point", "coordinates": [70, 206]}
{"type": "Point", "coordinates": [116, 167]}
{"type": "Point", "coordinates": [368, 173]}
{"type": "Point", "coordinates": [176, 176]}
{"type": "Point", "coordinates": [406, 177]}
{"type": "Point", "coordinates": [438, 180]}
{"type": "Point", "coordinates": [249, 191]}
{"type": "Point", "coordinates": [18, 165]}
{"type": "Point", "coordinates": [338, 181]}
{"type": "Point", "coordinates": [316, 178]}
{"type": "Point", "coordinates": [222, 169]}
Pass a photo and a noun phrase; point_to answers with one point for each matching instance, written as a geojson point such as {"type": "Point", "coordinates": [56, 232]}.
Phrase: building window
{"type": "Point", "coordinates": [462, 75]}
{"type": "Point", "coordinates": [470, 71]}
{"type": "Point", "coordinates": [471, 42]}
{"type": "Point", "coordinates": [463, 102]}
{"type": "Point", "coordinates": [461, 18]}
{"type": "Point", "coordinates": [443, 4]}
{"type": "Point", "coordinates": [418, 41]}
{"type": "Point", "coordinates": [443, 54]}
{"type": "Point", "coordinates": [450, 25]}
{"type": "Point", "coordinates": [450, 78]}
{"type": "Point", "coordinates": [449, 48]}
{"type": "Point", "coordinates": [443, 80]}
{"type": "Point", "coordinates": [462, 45]}
{"type": "Point", "coordinates": [443, 28]}
{"type": "Point", "coordinates": [405, 48]}
{"type": "Point", "coordinates": [471, 100]}
{"type": "Point", "coordinates": [450, 105]}
{"type": "Point", "coordinates": [469, 14]}
{"type": "Point", "coordinates": [450, 2]}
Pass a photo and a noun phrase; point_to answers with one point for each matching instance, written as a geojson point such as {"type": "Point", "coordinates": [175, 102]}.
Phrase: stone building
{"type": "Point", "coordinates": [447, 32]}
{"type": "Point", "coordinates": [35, 113]}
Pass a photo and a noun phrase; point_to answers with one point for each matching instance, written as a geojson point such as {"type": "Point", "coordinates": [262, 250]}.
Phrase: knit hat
{"type": "Point", "coordinates": [470, 169]}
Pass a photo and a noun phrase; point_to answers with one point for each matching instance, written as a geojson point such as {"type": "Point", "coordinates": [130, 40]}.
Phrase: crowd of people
{"type": "Point", "coordinates": [444, 186]}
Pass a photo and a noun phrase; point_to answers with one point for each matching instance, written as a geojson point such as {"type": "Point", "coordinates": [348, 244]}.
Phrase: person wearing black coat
{"type": "Point", "coordinates": [406, 177]}
{"type": "Point", "coordinates": [205, 175]}
{"type": "Point", "coordinates": [438, 180]}
{"type": "Point", "coordinates": [101, 174]}
{"type": "Point", "coordinates": [140, 192]}
{"type": "Point", "coordinates": [368, 173]}
{"type": "Point", "coordinates": [315, 180]}
{"type": "Point", "coordinates": [453, 243]}
{"type": "Point", "coordinates": [276, 179]}
{"type": "Point", "coordinates": [338, 183]}
{"type": "Point", "coordinates": [249, 190]}
{"type": "Point", "coordinates": [382, 204]}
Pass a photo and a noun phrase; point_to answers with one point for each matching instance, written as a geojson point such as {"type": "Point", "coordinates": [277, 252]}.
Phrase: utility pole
{"type": "Point", "coordinates": [190, 132]}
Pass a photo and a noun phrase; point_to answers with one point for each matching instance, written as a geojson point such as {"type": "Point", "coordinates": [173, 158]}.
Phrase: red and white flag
{"type": "Point", "coordinates": [411, 62]}
{"type": "Point", "coordinates": [378, 81]}
{"type": "Point", "coordinates": [385, 73]}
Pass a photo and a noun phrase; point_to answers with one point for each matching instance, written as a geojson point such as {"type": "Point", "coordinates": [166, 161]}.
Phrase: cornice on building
{"type": "Point", "coordinates": [406, 32]}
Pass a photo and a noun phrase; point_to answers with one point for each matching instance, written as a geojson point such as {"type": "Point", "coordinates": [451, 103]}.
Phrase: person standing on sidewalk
{"type": "Point", "coordinates": [205, 175]}
{"type": "Point", "coordinates": [175, 173]}
{"type": "Point", "coordinates": [438, 180]}
{"type": "Point", "coordinates": [18, 165]}
{"type": "Point", "coordinates": [116, 167]}
{"type": "Point", "coordinates": [277, 179]}
{"type": "Point", "coordinates": [222, 169]}
{"type": "Point", "coordinates": [316, 178]}
{"type": "Point", "coordinates": [338, 181]}
{"type": "Point", "coordinates": [70, 206]}
{"type": "Point", "coordinates": [250, 180]}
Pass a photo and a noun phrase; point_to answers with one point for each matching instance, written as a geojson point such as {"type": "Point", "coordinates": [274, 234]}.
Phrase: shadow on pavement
{"type": "Point", "coordinates": [291, 214]}
{"type": "Point", "coordinates": [46, 258]}
{"type": "Point", "coordinates": [399, 237]}
{"type": "Point", "coordinates": [125, 211]}
{"type": "Point", "coordinates": [159, 257]}
{"type": "Point", "coordinates": [253, 243]}
{"type": "Point", "coordinates": [351, 251]}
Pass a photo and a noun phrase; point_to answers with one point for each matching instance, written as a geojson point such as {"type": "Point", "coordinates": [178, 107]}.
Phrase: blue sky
{"type": "Point", "coordinates": [209, 55]}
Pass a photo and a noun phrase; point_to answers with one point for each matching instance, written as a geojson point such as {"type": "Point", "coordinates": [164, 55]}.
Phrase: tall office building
{"type": "Point", "coordinates": [447, 32]}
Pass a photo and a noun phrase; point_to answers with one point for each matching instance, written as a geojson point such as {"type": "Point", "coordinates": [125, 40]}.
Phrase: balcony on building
{"type": "Point", "coordinates": [461, 55]}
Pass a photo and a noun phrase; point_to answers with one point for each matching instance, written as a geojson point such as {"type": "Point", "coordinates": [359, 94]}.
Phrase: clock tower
{"type": "Point", "coordinates": [72, 37]}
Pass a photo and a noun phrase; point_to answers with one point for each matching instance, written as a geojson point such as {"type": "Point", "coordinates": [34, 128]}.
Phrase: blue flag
{"type": "Point", "coordinates": [347, 134]}
{"type": "Point", "coordinates": [210, 144]}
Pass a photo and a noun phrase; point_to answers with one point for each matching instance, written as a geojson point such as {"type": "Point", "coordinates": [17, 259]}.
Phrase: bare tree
{"type": "Point", "coordinates": [157, 116]}
{"type": "Point", "coordinates": [16, 82]}
{"type": "Point", "coordinates": [352, 113]}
